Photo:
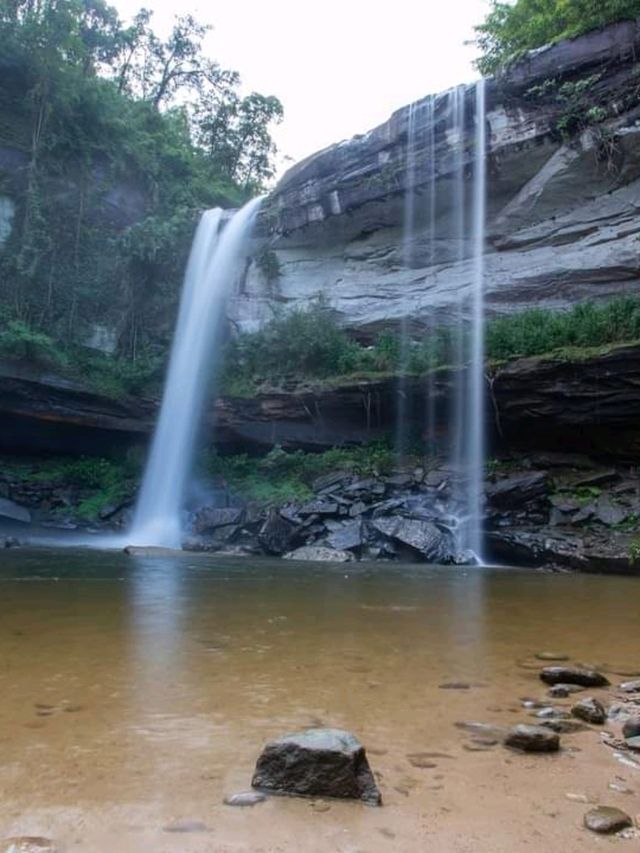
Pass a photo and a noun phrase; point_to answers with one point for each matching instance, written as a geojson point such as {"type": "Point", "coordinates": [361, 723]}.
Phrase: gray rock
{"type": "Point", "coordinates": [631, 728]}
{"type": "Point", "coordinates": [562, 691]}
{"type": "Point", "coordinates": [13, 511]}
{"type": "Point", "coordinates": [609, 513]}
{"type": "Point", "coordinates": [573, 675]}
{"type": "Point", "coordinates": [630, 686]}
{"type": "Point", "coordinates": [319, 508]}
{"type": "Point", "coordinates": [276, 534]}
{"type": "Point", "coordinates": [347, 536]}
{"type": "Point", "coordinates": [517, 490]}
{"type": "Point", "coordinates": [590, 710]}
{"type": "Point", "coordinates": [532, 739]}
{"type": "Point", "coordinates": [210, 518]}
{"type": "Point", "coordinates": [607, 820]}
{"type": "Point", "coordinates": [319, 554]}
{"type": "Point", "coordinates": [317, 763]}
{"type": "Point", "coordinates": [422, 536]}
{"type": "Point", "coordinates": [333, 480]}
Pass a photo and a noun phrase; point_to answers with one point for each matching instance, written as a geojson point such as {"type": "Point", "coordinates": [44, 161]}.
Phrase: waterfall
{"type": "Point", "coordinates": [216, 256]}
{"type": "Point", "coordinates": [408, 237]}
{"type": "Point", "coordinates": [474, 421]}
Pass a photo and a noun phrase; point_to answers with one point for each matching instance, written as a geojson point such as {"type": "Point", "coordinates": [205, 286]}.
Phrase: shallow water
{"type": "Point", "coordinates": [139, 690]}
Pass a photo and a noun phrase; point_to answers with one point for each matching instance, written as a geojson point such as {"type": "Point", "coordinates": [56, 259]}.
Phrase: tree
{"type": "Point", "coordinates": [510, 29]}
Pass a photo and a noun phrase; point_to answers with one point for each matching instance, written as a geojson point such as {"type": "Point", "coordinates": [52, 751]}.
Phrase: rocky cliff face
{"type": "Point", "coordinates": [564, 191]}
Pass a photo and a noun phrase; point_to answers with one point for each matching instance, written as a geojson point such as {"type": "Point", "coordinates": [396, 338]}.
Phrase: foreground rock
{"type": "Point", "coordinates": [590, 710]}
{"type": "Point", "coordinates": [606, 820]}
{"type": "Point", "coordinates": [573, 675]}
{"type": "Point", "coordinates": [532, 739]}
{"type": "Point", "coordinates": [317, 763]}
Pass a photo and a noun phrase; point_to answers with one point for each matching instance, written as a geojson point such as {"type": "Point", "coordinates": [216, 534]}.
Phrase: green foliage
{"type": "Point", "coordinates": [269, 265]}
{"type": "Point", "coordinates": [309, 345]}
{"type": "Point", "coordinates": [115, 124]}
{"type": "Point", "coordinates": [281, 476]}
{"type": "Point", "coordinates": [539, 331]}
{"type": "Point", "coordinates": [99, 482]}
{"type": "Point", "coordinates": [300, 344]}
{"type": "Point", "coordinates": [20, 342]}
{"type": "Point", "coordinates": [634, 551]}
{"type": "Point", "coordinates": [510, 29]}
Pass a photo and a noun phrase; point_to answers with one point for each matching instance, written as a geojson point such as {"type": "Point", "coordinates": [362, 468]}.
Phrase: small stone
{"type": "Point", "coordinates": [573, 675]}
{"type": "Point", "coordinates": [245, 798]}
{"type": "Point", "coordinates": [631, 728]}
{"type": "Point", "coordinates": [577, 798]}
{"type": "Point", "coordinates": [562, 691]}
{"type": "Point", "coordinates": [590, 710]}
{"type": "Point", "coordinates": [552, 656]}
{"type": "Point", "coordinates": [421, 760]}
{"type": "Point", "coordinates": [454, 685]}
{"type": "Point", "coordinates": [606, 820]}
{"type": "Point", "coordinates": [532, 739]}
{"type": "Point", "coordinates": [620, 788]}
{"type": "Point", "coordinates": [185, 825]}
{"type": "Point", "coordinates": [630, 687]}
{"type": "Point", "coordinates": [27, 844]}
{"type": "Point", "coordinates": [563, 727]}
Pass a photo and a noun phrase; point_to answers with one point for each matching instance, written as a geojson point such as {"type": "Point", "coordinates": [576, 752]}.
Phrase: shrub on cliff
{"type": "Point", "coordinates": [510, 29]}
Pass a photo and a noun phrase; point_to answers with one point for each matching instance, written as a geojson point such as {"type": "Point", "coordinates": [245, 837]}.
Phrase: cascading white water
{"type": "Point", "coordinates": [408, 237]}
{"type": "Point", "coordinates": [457, 409]}
{"type": "Point", "coordinates": [216, 256]}
{"type": "Point", "coordinates": [474, 421]}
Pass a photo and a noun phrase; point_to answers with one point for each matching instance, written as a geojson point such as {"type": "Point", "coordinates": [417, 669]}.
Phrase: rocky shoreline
{"type": "Point", "coordinates": [549, 510]}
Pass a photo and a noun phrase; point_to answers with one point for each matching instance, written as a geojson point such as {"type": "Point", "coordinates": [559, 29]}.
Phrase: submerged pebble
{"type": "Point", "coordinates": [245, 798]}
{"type": "Point", "coordinates": [532, 739]}
{"type": "Point", "coordinates": [590, 710]}
{"type": "Point", "coordinates": [28, 844]}
{"type": "Point", "coordinates": [185, 825]}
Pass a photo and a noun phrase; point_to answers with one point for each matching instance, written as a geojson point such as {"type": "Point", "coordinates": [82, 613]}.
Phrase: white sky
{"type": "Point", "coordinates": [340, 67]}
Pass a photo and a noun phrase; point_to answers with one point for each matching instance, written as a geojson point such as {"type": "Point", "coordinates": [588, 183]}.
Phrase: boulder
{"type": "Point", "coordinates": [13, 511]}
{"type": "Point", "coordinates": [631, 728]}
{"type": "Point", "coordinates": [276, 534]}
{"type": "Point", "coordinates": [573, 675]}
{"type": "Point", "coordinates": [347, 536]}
{"type": "Point", "coordinates": [422, 536]}
{"type": "Point", "coordinates": [532, 739]}
{"type": "Point", "coordinates": [209, 518]}
{"type": "Point", "coordinates": [590, 710]}
{"type": "Point", "coordinates": [317, 763]}
{"type": "Point", "coordinates": [607, 820]}
{"type": "Point", "coordinates": [517, 491]}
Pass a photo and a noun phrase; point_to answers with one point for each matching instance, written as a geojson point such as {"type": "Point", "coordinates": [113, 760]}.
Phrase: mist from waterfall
{"type": "Point", "coordinates": [216, 258]}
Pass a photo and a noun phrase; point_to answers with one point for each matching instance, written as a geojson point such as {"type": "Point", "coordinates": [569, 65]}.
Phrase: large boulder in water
{"type": "Point", "coordinates": [422, 536]}
{"type": "Point", "coordinates": [317, 763]}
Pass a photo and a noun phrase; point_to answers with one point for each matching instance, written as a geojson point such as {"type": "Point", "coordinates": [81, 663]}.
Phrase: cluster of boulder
{"type": "Point", "coordinates": [402, 515]}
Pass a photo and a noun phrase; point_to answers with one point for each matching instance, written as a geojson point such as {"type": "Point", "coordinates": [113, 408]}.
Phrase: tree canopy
{"type": "Point", "coordinates": [92, 109]}
{"type": "Point", "coordinates": [510, 29]}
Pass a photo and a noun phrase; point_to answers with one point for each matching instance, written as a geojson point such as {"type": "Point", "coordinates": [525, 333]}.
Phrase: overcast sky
{"type": "Point", "coordinates": [340, 67]}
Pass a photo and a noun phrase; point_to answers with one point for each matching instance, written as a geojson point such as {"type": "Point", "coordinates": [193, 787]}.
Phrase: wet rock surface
{"type": "Point", "coordinates": [573, 675]}
{"type": "Point", "coordinates": [607, 820]}
{"type": "Point", "coordinates": [317, 762]}
{"type": "Point", "coordinates": [532, 739]}
{"type": "Point", "coordinates": [590, 710]}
